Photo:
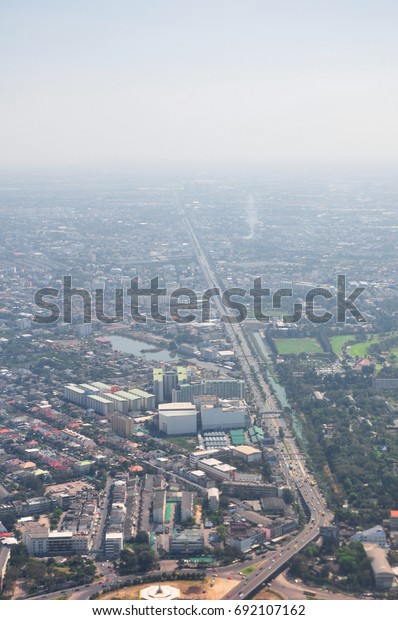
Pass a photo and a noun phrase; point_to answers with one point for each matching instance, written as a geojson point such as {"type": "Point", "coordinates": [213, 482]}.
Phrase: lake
{"type": "Point", "coordinates": [134, 346]}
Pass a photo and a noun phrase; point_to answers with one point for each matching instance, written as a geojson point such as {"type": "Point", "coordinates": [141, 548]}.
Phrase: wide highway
{"type": "Point", "coordinates": [292, 461]}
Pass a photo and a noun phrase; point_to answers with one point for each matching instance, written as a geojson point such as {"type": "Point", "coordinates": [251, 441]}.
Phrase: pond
{"type": "Point", "coordinates": [135, 347]}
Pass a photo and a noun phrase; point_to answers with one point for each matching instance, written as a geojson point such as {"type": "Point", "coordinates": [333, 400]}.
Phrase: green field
{"type": "Point", "coordinates": [186, 442]}
{"type": "Point", "coordinates": [338, 343]}
{"type": "Point", "coordinates": [290, 346]}
{"type": "Point", "coordinates": [360, 349]}
{"type": "Point", "coordinates": [249, 570]}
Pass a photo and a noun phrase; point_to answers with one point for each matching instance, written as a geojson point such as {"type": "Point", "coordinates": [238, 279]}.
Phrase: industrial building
{"type": "Point", "coordinates": [247, 453]}
{"type": "Point", "coordinates": [177, 418]}
{"type": "Point", "coordinates": [381, 569]}
{"type": "Point", "coordinates": [226, 414]}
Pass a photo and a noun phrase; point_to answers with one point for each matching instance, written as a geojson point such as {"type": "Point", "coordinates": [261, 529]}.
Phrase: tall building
{"type": "Point", "coordinates": [166, 381]}
{"type": "Point", "coordinates": [186, 505]}
{"type": "Point", "coordinates": [213, 496]}
{"type": "Point", "coordinates": [159, 506]}
{"type": "Point", "coordinates": [122, 424]}
{"type": "Point", "coordinates": [4, 558]}
{"type": "Point", "coordinates": [170, 381]}
{"type": "Point", "coordinates": [158, 385]}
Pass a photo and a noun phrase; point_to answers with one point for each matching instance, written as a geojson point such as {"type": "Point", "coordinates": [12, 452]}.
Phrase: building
{"type": "Point", "coordinates": [187, 542]}
{"type": "Point", "coordinates": [252, 537]}
{"type": "Point", "coordinates": [381, 569]}
{"type": "Point", "coordinates": [122, 424]}
{"type": "Point", "coordinates": [147, 401]}
{"type": "Point", "coordinates": [170, 381]}
{"type": "Point", "coordinates": [178, 419]}
{"type": "Point", "coordinates": [247, 453]}
{"type": "Point", "coordinates": [226, 414]}
{"type": "Point", "coordinates": [119, 404]}
{"type": "Point", "coordinates": [248, 490]}
{"type": "Point", "coordinates": [101, 405]}
{"type": "Point", "coordinates": [374, 535]}
{"type": "Point", "coordinates": [186, 506]}
{"type": "Point", "coordinates": [83, 467]}
{"type": "Point", "coordinates": [134, 401]}
{"type": "Point", "coordinates": [67, 433]}
{"type": "Point", "coordinates": [159, 507]}
{"type": "Point", "coordinates": [216, 469]}
{"type": "Point", "coordinates": [394, 520]}
{"type": "Point", "coordinates": [41, 542]}
{"type": "Point", "coordinates": [113, 545]}
{"type": "Point", "coordinates": [213, 496]}
{"type": "Point", "coordinates": [75, 395]}
{"type": "Point", "coordinates": [158, 385]}
{"type": "Point", "coordinates": [222, 388]}
{"type": "Point", "coordinates": [4, 557]}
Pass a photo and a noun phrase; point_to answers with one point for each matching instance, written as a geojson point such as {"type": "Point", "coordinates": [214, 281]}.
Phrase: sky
{"type": "Point", "coordinates": [179, 82]}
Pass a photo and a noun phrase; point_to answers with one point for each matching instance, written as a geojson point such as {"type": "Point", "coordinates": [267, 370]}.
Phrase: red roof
{"type": "Point", "coordinates": [394, 514]}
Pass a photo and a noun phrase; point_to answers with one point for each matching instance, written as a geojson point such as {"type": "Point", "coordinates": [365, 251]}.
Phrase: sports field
{"type": "Point", "coordinates": [295, 346]}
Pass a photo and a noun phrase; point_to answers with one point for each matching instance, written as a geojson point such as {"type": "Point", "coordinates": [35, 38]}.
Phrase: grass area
{"type": "Point", "coordinates": [64, 597]}
{"type": "Point", "coordinates": [295, 346]}
{"type": "Point", "coordinates": [186, 442]}
{"type": "Point", "coordinates": [339, 342]}
{"type": "Point", "coordinates": [267, 595]}
{"type": "Point", "coordinates": [360, 349]}
{"type": "Point", "coordinates": [249, 570]}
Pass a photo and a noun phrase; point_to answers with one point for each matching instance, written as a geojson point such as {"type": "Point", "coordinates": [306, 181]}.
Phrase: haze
{"type": "Point", "coordinates": [251, 81]}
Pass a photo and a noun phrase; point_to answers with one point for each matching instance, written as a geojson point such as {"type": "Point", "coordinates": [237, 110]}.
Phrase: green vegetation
{"type": "Point", "coordinates": [295, 346]}
{"type": "Point", "coordinates": [360, 349]}
{"type": "Point", "coordinates": [138, 556]}
{"type": "Point", "coordinates": [338, 343]}
{"type": "Point", "coordinates": [349, 572]}
{"type": "Point", "coordinates": [186, 442]}
{"type": "Point", "coordinates": [249, 570]}
{"type": "Point", "coordinates": [46, 575]}
{"type": "Point", "coordinates": [346, 436]}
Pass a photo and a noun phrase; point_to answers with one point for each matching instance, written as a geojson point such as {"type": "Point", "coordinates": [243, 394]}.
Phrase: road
{"type": "Point", "coordinates": [291, 459]}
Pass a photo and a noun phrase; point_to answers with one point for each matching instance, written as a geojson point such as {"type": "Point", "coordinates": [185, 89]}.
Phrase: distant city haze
{"type": "Point", "coordinates": [188, 82]}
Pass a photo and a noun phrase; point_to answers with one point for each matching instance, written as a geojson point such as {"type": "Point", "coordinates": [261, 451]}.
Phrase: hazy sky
{"type": "Point", "coordinates": [100, 82]}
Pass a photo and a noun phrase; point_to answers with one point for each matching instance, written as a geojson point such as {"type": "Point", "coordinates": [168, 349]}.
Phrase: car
{"type": "Point", "coordinates": [229, 577]}
{"type": "Point", "coordinates": [240, 594]}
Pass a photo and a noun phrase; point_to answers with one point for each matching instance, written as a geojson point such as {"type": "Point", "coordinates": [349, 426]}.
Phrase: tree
{"type": "Point", "coordinates": [146, 560]}
{"type": "Point", "coordinates": [287, 496]}
{"type": "Point", "coordinates": [128, 562]}
{"type": "Point", "coordinates": [221, 531]}
{"type": "Point", "coordinates": [141, 538]}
